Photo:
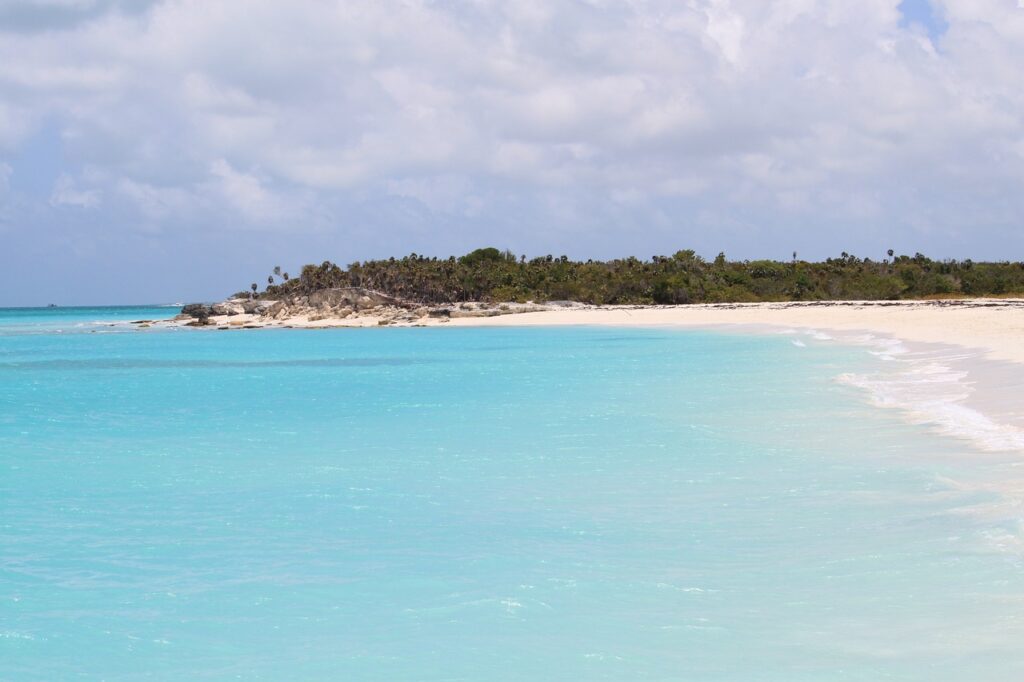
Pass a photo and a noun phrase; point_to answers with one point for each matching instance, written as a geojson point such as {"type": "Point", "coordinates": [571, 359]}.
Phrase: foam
{"type": "Point", "coordinates": [931, 389]}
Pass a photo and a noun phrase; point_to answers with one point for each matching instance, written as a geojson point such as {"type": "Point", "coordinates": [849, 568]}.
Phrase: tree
{"type": "Point", "coordinates": [492, 275]}
{"type": "Point", "coordinates": [254, 287]}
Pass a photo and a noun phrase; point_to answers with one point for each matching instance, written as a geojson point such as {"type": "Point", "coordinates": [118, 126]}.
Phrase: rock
{"type": "Point", "coordinates": [350, 297]}
{"type": "Point", "coordinates": [277, 310]}
{"type": "Point", "coordinates": [475, 313]}
{"type": "Point", "coordinates": [337, 303]}
{"type": "Point", "coordinates": [231, 307]}
{"type": "Point", "coordinates": [198, 311]}
{"type": "Point", "coordinates": [257, 306]}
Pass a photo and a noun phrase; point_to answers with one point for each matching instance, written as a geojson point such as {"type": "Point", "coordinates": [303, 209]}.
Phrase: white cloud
{"type": "Point", "coordinates": [157, 204]}
{"type": "Point", "coordinates": [67, 193]}
{"type": "Point", "coordinates": [750, 110]}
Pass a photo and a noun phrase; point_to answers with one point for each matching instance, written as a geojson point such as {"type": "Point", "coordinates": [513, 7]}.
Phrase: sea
{"type": "Point", "coordinates": [561, 503]}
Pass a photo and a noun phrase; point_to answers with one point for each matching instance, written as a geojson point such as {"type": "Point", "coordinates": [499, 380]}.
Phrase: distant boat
{"type": "Point", "coordinates": [52, 305]}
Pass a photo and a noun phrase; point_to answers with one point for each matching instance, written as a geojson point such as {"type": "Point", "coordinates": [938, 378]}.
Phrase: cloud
{"type": "Point", "coordinates": [649, 124]}
{"type": "Point", "coordinates": [67, 193]}
{"type": "Point", "coordinates": [247, 194]}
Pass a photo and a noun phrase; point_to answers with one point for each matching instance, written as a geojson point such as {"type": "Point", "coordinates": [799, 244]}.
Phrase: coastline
{"type": "Point", "coordinates": [994, 326]}
{"type": "Point", "coordinates": [956, 366]}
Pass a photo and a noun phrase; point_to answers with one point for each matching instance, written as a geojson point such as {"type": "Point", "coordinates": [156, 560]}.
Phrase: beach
{"type": "Point", "coordinates": [630, 493]}
{"type": "Point", "coordinates": [993, 326]}
{"type": "Point", "coordinates": [955, 365]}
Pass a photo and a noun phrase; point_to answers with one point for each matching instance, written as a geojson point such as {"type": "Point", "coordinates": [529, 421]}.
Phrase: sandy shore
{"type": "Point", "coordinates": [955, 365]}
{"type": "Point", "coordinates": [995, 327]}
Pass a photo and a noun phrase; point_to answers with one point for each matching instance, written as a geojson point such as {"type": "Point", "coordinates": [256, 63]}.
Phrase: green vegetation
{"type": "Point", "coordinates": [492, 275]}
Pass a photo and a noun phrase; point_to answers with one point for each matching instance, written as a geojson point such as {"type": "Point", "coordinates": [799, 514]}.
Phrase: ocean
{"type": "Point", "coordinates": [489, 504]}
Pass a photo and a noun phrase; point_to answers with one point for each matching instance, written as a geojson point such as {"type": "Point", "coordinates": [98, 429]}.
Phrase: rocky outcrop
{"type": "Point", "coordinates": [355, 298]}
{"type": "Point", "coordinates": [334, 303]}
{"type": "Point", "coordinates": [491, 309]}
{"type": "Point", "coordinates": [196, 310]}
{"type": "Point", "coordinates": [258, 306]}
{"type": "Point", "coordinates": [344, 305]}
{"type": "Point", "coordinates": [232, 306]}
{"type": "Point", "coordinates": [229, 307]}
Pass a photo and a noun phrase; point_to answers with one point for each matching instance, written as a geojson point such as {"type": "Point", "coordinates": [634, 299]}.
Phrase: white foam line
{"type": "Point", "coordinates": [929, 390]}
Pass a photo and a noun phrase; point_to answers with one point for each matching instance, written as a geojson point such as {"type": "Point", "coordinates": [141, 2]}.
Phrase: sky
{"type": "Point", "coordinates": [177, 150]}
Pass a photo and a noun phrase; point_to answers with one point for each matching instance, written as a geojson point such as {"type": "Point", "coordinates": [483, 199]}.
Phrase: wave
{"type": "Point", "coordinates": [935, 397]}
{"type": "Point", "coordinates": [932, 388]}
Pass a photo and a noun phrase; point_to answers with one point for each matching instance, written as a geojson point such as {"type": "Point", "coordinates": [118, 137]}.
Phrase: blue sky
{"type": "Point", "coordinates": [166, 151]}
{"type": "Point", "coordinates": [921, 13]}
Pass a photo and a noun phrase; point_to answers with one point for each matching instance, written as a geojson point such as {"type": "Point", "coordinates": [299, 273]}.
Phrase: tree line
{"type": "Point", "coordinates": [489, 274]}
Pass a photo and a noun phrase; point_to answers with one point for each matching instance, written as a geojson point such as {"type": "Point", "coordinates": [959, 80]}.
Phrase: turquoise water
{"type": "Point", "coordinates": [59, 320]}
{"type": "Point", "coordinates": [481, 504]}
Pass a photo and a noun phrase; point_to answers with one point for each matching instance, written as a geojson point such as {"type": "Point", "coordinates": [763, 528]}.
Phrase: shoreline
{"type": "Point", "coordinates": [954, 365]}
{"type": "Point", "coordinates": [994, 326]}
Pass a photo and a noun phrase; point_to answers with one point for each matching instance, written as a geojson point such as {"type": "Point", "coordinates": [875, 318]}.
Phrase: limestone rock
{"type": "Point", "coordinates": [256, 306]}
{"type": "Point", "coordinates": [229, 307]}
{"type": "Point", "coordinates": [196, 310]}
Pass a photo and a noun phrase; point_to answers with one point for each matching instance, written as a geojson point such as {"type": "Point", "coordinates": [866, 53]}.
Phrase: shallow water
{"type": "Point", "coordinates": [499, 504]}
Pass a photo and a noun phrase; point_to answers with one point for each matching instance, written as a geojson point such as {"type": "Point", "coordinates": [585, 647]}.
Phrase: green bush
{"type": "Point", "coordinates": [493, 275]}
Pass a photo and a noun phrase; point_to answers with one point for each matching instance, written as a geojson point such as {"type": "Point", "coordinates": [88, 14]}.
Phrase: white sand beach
{"type": "Point", "coordinates": [957, 365]}
{"type": "Point", "coordinates": [993, 326]}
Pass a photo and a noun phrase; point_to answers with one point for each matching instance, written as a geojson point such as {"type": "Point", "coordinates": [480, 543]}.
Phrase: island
{"type": "Point", "coordinates": [488, 282]}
